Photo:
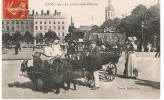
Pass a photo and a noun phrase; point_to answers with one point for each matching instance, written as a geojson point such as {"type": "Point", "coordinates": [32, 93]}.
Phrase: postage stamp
{"type": "Point", "coordinates": [15, 9]}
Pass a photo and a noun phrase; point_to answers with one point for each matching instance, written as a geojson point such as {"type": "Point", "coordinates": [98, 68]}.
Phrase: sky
{"type": "Point", "coordinates": [92, 12]}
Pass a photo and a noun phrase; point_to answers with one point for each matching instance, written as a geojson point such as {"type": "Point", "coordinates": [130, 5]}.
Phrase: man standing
{"type": "Point", "coordinates": [17, 47]}
{"type": "Point", "coordinates": [95, 64]}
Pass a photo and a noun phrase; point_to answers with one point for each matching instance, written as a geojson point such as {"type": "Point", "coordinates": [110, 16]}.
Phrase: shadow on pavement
{"type": "Point", "coordinates": [29, 85]}
{"type": "Point", "coordinates": [24, 85]}
{"type": "Point", "coordinates": [153, 84]}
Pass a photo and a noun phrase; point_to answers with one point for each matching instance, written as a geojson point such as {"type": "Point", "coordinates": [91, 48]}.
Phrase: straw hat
{"type": "Point", "coordinates": [56, 41]}
{"type": "Point", "coordinates": [80, 40]}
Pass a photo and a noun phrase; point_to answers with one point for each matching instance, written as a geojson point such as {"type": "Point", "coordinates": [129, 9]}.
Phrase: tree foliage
{"type": "Point", "coordinates": [17, 37]}
{"type": "Point", "coordinates": [6, 38]}
{"type": "Point", "coordinates": [39, 38]}
{"type": "Point", "coordinates": [50, 36]}
{"type": "Point", "coordinates": [28, 38]}
{"type": "Point", "coordinates": [132, 24]}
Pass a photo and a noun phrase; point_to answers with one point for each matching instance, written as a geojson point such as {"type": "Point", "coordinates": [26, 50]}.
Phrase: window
{"type": "Point", "coordinates": [40, 22]}
{"type": "Point", "coordinates": [62, 27]}
{"type": "Point", "coordinates": [40, 27]}
{"type": "Point", "coordinates": [45, 27]}
{"type": "Point", "coordinates": [22, 22]}
{"type": "Point", "coordinates": [62, 22]}
{"type": "Point", "coordinates": [7, 27]}
{"type": "Point", "coordinates": [17, 22]}
{"type": "Point", "coordinates": [36, 27]}
{"type": "Point", "coordinates": [63, 34]}
{"type": "Point", "coordinates": [49, 27]}
{"type": "Point", "coordinates": [54, 22]}
{"type": "Point", "coordinates": [31, 27]}
{"type": "Point", "coordinates": [54, 27]}
{"type": "Point", "coordinates": [26, 22]}
{"type": "Point", "coordinates": [49, 22]}
{"type": "Point", "coordinates": [27, 27]}
{"type": "Point", "coordinates": [58, 27]}
{"type": "Point", "coordinates": [12, 27]}
{"type": "Point", "coordinates": [36, 22]}
{"type": "Point", "coordinates": [2, 22]}
{"type": "Point", "coordinates": [58, 22]}
{"type": "Point", "coordinates": [45, 22]}
{"type": "Point", "coordinates": [7, 22]}
{"type": "Point", "coordinates": [59, 34]}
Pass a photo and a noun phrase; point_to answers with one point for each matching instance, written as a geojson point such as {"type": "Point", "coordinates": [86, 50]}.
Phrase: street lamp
{"type": "Point", "coordinates": [142, 25]}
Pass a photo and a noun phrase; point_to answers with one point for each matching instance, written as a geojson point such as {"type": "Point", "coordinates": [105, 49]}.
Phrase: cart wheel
{"type": "Point", "coordinates": [111, 71]}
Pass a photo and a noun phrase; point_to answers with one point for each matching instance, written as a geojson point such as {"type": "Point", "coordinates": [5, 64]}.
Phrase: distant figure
{"type": "Point", "coordinates": [149, 47]}
{"type": "Point", "coordinates": [158, 49]}
{"type": "Point", "coordinates": [17, 47]}
{"type": "Point", "coordinates": [24, 65]}
{"type": "Point", "coordinates": [5, 49]}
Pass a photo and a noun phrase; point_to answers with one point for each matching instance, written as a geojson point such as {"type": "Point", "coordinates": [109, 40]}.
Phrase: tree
{"type": "Point", "coordinates": [131, 25]}
{"type": "Point", "coordinates": [110, 23]}
{"type": "Point", "coordinates": [152, 28]}
{"type": "Point", "coordinates": [50, 36]}
{"type": "Point", "coordinates": [39, 38]}
{"type": "Point", "coordinates": [71, 29]}
{"type": "Point", "coordinates": [6, 38]}
{"type": "Point", "coordinates": [17, 37]}
{"type": "Point", "coordinates": [28, 38]}
{"type": "Point", "coordinates": [96, 28]}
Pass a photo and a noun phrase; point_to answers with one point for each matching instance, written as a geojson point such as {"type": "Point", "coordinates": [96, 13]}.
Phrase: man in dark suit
{"type": "Point", "coordinates": [17, 47]}
{"type": "Point", "coordinates": [95, 64]}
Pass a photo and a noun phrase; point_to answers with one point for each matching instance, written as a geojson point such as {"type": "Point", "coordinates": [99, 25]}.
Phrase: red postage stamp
{"type": "Point", "coordinates": [15, 9]}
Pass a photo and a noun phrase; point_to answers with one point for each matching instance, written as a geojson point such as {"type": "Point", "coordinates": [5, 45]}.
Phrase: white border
{"type": "Point", "coordinates": [162, 49]}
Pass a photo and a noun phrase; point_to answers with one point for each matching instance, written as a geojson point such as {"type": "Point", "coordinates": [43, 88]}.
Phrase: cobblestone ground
{"type": "Point", "coordinates": [146, 86]}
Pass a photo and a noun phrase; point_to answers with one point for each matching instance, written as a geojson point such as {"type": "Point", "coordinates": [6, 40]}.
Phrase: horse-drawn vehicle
{"type": "Point", "coordinates": [108, 59]}
{"type": "Point", "coordinates": [61, 70]}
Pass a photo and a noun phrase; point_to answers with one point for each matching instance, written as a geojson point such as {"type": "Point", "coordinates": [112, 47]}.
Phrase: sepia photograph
{"type": "Point", "coordinates": [80, 49]}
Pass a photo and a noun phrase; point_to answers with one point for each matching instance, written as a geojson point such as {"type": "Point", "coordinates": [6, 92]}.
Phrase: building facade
{"type": "Point", "coordinates": [109, 11]}
{"type": "Point", "coordinates": [38, 23]}
{"type": "Point", "coordinates": [45, 21]}
{"type": "Point", "coordinates": [21, 25]}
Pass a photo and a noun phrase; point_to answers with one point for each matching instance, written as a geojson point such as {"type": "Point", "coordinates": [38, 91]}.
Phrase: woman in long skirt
{"type": "Point", "coordinates": [130, 58]}
{"type": "Point", "coordinates": [131, 63]}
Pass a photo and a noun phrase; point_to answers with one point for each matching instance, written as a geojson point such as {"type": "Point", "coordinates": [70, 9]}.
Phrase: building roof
{"type": "Point", "coordinates": [84, 29]}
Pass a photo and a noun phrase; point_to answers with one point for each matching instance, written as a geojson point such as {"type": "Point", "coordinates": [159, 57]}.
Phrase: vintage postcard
{"type": "Point", "coordinates": [80, 49]}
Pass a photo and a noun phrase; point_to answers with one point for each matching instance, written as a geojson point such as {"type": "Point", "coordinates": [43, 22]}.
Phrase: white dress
{"type": "Point", "coordinates": [131, 63]}
{"type": "Point", "coordinates": [56, 50]}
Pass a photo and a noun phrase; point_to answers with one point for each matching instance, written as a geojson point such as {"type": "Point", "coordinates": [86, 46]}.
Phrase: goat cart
{"type": "Point", "coordinates": [108, 58]}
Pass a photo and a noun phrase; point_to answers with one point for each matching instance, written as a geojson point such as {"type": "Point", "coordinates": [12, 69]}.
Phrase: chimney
{"type": "Point", "coordinates": [33, 12]}
{"type": "Point", "coordinates": [55, 12]}
{"type": "Point", "coordinates": [42, 12]}
{"type": "Point", "coordinates": [48, 12]}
